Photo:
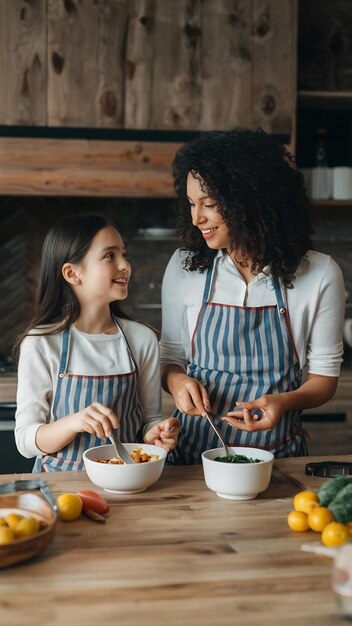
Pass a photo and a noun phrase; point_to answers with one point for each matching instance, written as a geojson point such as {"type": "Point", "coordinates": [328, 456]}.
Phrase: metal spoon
{"type": "Point", "coordinates": [218, 433]}
{"type": "Point", "coordinates": [120, 448]}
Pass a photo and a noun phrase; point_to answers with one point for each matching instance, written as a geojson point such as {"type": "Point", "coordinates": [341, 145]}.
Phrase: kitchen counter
{"type": "Point", "coordinates": [178, 555]}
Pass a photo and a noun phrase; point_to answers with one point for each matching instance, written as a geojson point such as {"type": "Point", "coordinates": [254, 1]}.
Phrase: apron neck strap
{"type": "Point", "coordinates": [209, 280]}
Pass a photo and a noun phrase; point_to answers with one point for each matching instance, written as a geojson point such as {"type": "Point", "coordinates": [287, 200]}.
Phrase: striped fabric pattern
{"type": "Point", "coordinates": [240, 354]}
{"type": "Point", "coordinates": [75, 392]}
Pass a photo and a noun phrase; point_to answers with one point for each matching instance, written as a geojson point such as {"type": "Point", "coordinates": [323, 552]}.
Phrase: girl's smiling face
{"type": "Point", "coordinates": [205, 215]}
{"type": "Point", "coordinates": [104, 272]}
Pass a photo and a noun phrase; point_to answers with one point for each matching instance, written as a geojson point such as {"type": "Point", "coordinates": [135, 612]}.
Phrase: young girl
{"type": "Point", "coordinates": [84, 367]}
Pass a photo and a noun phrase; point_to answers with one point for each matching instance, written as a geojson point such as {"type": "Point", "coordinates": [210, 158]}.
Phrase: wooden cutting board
{"type": "Point", "coordinates": [293, 469]}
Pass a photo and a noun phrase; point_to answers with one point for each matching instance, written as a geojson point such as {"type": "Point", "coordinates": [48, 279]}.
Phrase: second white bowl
{"type": "Point", "coordinates": [237, 481]}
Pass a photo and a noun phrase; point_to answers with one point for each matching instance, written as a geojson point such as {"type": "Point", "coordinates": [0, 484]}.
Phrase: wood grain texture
{"type": "Point", "coordinates": [227, 64]}
{"type": "Point", "coordinates": [86, 62]}
{"type": "Point", "coordinates": [22, 62]}
{"type": "Point", "coordinates": [175, 554]}
{"type": "Point", "coordinates": [163, 79]}
{"type": "Point", "coordinates": [274, 64]}
{"type": "Point", "coordinates": [82, 167]}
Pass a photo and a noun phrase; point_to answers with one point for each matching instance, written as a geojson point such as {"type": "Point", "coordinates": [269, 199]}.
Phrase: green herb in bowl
{"type": "Point", "coordinates": [236, 458]}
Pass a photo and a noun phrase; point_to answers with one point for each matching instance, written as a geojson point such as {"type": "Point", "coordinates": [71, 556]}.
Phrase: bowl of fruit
{"type": "Point", "coordinates": [27, 526]}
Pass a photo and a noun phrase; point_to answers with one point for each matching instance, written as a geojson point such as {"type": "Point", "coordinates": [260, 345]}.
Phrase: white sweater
{"type": "Point", "coordinates": [89, 355]}
{"type": "Point", "coordinates": [316, 307]}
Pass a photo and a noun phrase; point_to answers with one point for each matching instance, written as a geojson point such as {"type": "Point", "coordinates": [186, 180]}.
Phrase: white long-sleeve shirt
{"type": "Point", "coordinates": [316, 307]}
{"type": "Point", "coordinates": [89, 354]}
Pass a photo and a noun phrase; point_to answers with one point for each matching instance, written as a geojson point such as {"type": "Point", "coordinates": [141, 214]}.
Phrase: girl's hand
{"type": "Point", "coordinates": [190, 396]}
{"type": "Point", "coordinates": [164, 434]}
{"type": "Point", "coordinates": [95, 419]}
{"type": "Point", "coordinates": [272, 408]}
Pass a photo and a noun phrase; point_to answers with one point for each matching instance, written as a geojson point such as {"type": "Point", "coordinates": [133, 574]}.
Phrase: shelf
{"type": "Point", "coordinates": [324, 100]}
{"type": "Point", "coordinates": [332, 203]}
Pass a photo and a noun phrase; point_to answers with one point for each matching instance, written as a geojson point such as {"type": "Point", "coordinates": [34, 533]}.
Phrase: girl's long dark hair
{"type": "Point", "coordinates": [68, 241]}
{"type": "Point", "coordinates": [259, 193]}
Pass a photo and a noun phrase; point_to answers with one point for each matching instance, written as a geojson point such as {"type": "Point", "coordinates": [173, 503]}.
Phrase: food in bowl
{"type": "Point", "coordinates": [137, 455]}
{"type": "Point", "coordinates": [122, 478]}
{"type": "Point", "coordinates": [236, 458]}
{"type": "Point", "coordinates": [238, 481]}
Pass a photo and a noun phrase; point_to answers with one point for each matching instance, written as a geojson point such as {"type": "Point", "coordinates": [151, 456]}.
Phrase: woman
{"type": "Point", "coordinates": [246, 303]}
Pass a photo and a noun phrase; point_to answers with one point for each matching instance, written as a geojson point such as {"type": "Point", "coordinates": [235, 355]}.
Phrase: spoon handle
{"type": "Point", "coordinates": [217, 432]}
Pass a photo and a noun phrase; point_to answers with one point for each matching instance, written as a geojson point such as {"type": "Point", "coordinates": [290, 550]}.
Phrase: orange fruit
{"type": "Point", "coordinates": [12, 520]}
{"type": "Point", "coordinates": [3, 522]}
{"type": "Point", "coordinates": [319, 517]}
{"type": "Point", "coordinates": [26, 527]}
{"type": "Point", "coordinates": [298, 521]}
{"type": "Point", "coordinates": [305, 501]}
{"type": "Point", "coordinates": [349, 527]}
{"type": "Point", "coordinates": [7, 535]}
{"type": "Point", "coordinates": [335, 534]}
{"type": "Point", "coordinates": [69, 506]}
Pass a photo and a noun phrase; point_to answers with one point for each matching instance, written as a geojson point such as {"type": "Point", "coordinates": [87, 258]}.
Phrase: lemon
{"type": "Point", "coordinates": [7, 535]}
{"type": "Point", "coordinates": [12, 520]}
{"type": "Point", "coordinates": [26, 527]}
{"type": "Point", "coordinates": [319, 517]}
{"type": "Point", "coordinates": [298, 521]}
{"type": "Point", "coordinates": [305, 501]}
{"type": "Point", "coordinates": [335, 534]}
{"type": "Point", "coordinates": [69, 506]}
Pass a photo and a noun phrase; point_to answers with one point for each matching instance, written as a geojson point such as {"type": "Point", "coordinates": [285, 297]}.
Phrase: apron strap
{"type": "Point", "coordinates": [209, 280]}
{"type": "Point", "coordinates": [65, 348]}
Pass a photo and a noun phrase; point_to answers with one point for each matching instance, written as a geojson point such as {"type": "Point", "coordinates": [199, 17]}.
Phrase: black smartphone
{"type": "Point", "coordinates": [326, 469]}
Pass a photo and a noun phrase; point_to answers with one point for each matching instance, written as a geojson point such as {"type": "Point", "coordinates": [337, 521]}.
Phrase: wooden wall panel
{"type": "Point", "coordinates": [80, 167]}
{"type": "Point", "coordinates": [163, 80]}
{"type": "Point", "coordinates": [86, 62]}
{"type": "Point", "coordinates": [22, 62]}
{"type": "Point", "coordinates": [274, 66]}
{"type": "Point", "coordinates": [227, 64]}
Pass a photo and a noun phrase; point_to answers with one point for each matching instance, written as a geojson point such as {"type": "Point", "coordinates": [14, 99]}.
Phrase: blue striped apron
{"type": "Point", "coordinates": [240, 354]}
{"type": "Point", "coordinates": [74, 392]}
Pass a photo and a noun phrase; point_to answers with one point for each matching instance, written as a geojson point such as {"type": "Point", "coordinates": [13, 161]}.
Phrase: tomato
{"type": "Point", "coordinates": [93, 501]}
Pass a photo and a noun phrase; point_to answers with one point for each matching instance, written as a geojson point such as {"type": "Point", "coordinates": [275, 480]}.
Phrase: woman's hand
{"type": "Point", "coordinates": [189, 394]}
{"type": "Point", "coordinates": [272, 407]}
{"type": "Point", "coordinates": [164, 434]}
{"type": "Point", "coordinates": [95, 419]}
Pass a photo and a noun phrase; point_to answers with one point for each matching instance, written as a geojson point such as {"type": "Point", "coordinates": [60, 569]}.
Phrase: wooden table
{"type": "Point", "coordinates": [175, 555]}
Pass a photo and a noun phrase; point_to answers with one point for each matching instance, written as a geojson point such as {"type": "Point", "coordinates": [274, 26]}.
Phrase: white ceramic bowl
{"type": "Point", "coordinates": [237, 481]}
{"type": "Point", "coordinates": [123, 479]}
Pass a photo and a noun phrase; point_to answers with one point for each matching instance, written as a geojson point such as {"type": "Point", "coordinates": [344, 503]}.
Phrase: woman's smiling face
{"type": "Point", "coordinates": [205, 215]}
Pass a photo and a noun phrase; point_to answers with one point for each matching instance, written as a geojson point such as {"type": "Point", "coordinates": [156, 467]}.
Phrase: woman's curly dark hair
{"type": "Point", "coordinates": [259, 193]}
